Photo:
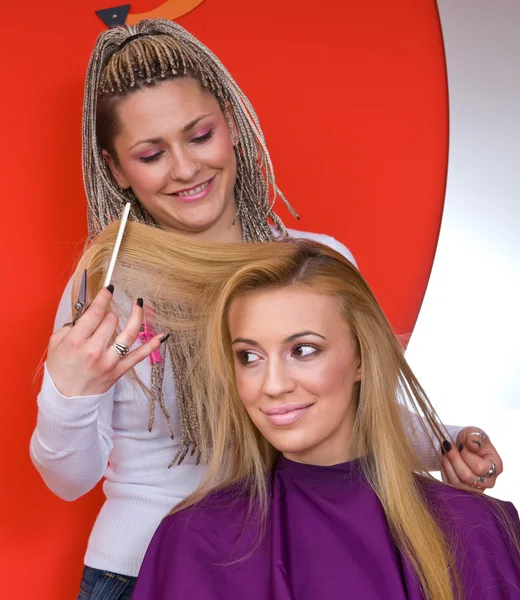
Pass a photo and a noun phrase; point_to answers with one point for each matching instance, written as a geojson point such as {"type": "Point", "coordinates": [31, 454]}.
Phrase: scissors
{"type": "Point", "coordinates": [82, 300]}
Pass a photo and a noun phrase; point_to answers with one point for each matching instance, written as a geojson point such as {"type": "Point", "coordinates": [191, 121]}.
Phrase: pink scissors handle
{"type": "Point", "coordinates": [145, 335]}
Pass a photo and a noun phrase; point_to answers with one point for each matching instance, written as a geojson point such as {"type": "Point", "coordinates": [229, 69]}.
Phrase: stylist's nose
{"type": "Point", "coordinates": [184, 166]}
{"type": "Point", "coordinates": [278, 379]}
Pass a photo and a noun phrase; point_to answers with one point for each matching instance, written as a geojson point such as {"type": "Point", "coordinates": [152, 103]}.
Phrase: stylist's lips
{"type": "Point", "coordinates": [197, 192]}
{"type": "Point", "coordinates": [286, 415]}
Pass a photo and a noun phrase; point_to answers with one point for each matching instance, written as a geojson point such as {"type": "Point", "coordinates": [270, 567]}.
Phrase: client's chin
{"type": "Point", "coordinates": [294, 443]}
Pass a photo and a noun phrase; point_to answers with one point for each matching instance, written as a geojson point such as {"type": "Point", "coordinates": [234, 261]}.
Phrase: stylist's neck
{"type": "Point", "coordinates": [227, 228]}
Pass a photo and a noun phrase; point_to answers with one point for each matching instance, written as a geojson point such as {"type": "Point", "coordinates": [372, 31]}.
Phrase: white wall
{"type": "Point", "coordinates": [466, 345]}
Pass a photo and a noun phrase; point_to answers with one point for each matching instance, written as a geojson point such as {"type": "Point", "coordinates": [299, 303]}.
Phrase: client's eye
{"type": "Point", "coordinates": [304, 350]}
{"type": "Point", "coordinates": [246, 358]}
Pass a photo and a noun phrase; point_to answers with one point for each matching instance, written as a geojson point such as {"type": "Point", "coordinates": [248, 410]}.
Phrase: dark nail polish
{"type": "Point", "coordinates": [442, 450]}
{"type": "Point", "coordinates": [110, 288]}
{"type": "Point", "coordinates": [164, 338]}
{"type": "Point", "coordinates": [460, 446]}
{"type": "Point", "coordinates": [140, 302]}
{"type": "Point", "coordinates": [446, 445]}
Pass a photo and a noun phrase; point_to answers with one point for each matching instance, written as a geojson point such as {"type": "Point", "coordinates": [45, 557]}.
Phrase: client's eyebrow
{"type": "Point", "coordinates": [239, 340]}
{"type": "Point", "coordinates": [291, 338]}
{"type": "Point", "coordinates": [295, 336]}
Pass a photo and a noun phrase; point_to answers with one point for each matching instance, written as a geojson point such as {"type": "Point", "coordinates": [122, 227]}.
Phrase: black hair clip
{"type": "Point", "coordinates": [132, 38]}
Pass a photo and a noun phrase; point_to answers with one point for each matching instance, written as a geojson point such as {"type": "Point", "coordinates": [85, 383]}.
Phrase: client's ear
{"type": "Point", "coordinates": [358, 372]}
{"type": "Point", "coordinates": [358, 375]}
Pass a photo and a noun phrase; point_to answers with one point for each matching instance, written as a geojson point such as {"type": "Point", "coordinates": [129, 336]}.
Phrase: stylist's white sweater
{"type": "Point", "coordinates": [78, 441]}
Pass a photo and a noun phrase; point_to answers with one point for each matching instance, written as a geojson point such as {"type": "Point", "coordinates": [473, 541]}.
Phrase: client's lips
{"type": "Point", "coordinates": [287, 414]}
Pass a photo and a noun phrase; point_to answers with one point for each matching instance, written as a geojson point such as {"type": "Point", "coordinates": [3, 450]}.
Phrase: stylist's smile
{"type": "Point", "coordinates": [196, 192]}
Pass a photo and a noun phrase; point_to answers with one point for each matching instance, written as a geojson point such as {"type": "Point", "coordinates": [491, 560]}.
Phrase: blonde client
{"type": "Point", "coordinates": [312, 489]}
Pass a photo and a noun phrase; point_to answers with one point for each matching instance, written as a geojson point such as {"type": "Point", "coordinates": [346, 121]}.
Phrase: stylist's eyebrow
{"type": "Point", "coordinates": [147, 141]}
{"type": "Point", "coordinates": [188, 127]}
{"type": "Point", "coordinates": [192, 124]}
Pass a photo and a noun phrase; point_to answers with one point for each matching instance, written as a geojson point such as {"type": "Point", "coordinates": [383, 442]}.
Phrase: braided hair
{"type": "Point", "coordinates": [130, 58]}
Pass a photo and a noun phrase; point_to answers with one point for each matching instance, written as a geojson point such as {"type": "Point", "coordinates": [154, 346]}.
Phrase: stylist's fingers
{"type": "Point", "coordinates": [464, 470]}
{"type": "Point", "coordinates": [96, 346]}
{"type": "Point", "coordinates": [58, 336]}
{"type": "Point", "coordinates": [480, 455]}
{"type": "Point", "coordinates": [450, 476]}
{"type": "Point", "coordinates": [104, 334]}
{"type": "Point", "coordinates": [479, 467]}
{"type": "Point", "coordinates": [91, 318]}
{"type": "Point", "coordinates": [444, 475]}
{"type": "Point", "coordinates": [454, 459]}
{"type": "Point", "coordinates": [140, 353]}
{"type": "Point", "coordinates": [475, 442]}
{"type": "Point", "coordinates": [128, 336]}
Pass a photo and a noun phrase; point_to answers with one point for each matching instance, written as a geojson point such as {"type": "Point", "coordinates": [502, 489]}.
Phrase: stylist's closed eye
{"type": "Point", "coordinates": [151, 157]}
{"type": "Point", "coordinates": [203, 137]}
{"type": "Point", "coordinates": [154, 156]}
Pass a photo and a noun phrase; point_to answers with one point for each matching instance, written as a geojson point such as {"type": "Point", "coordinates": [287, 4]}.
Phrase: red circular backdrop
{"type": "Point", "coordinates": [353, 101]}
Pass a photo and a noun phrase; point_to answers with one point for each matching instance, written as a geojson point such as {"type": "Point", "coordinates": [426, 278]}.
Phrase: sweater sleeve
{"type": "Point", "coordinates": [72, 440]}
{"type": "Point", "coordinates": [339, 247]}
{"type": "Point", "coordinates": [422, 442]}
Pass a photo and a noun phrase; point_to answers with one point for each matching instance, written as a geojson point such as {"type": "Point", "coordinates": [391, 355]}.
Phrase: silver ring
{"type": "Point", "coordinates": [480, 479]}
{"type": "Point", "coordinates": [121, 349]}
{"type": "Point", "coordinates": [483, 437]}
{"type": "Point", "coordinates": [491, 471]}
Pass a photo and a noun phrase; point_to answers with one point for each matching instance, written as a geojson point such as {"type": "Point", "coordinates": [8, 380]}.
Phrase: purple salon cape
{"type": "Point", "coordinates": [326, 538]}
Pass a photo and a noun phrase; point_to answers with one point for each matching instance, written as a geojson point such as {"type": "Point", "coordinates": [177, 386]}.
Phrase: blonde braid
{"type": "Point", "coordinates": [128, 58]}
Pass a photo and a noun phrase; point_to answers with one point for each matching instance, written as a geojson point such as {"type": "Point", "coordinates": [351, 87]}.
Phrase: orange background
{"type": "Point", "coordinates": [352, 97]}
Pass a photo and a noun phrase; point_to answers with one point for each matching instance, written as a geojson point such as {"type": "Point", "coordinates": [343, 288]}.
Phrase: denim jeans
{"type": "Point", "coordinates": [105, 585]}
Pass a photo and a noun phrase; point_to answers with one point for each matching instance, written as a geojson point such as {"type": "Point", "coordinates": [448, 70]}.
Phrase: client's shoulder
{"type": "Point", "coordinates": [225, 515]}
{"type": "Point", "coordinates": [469, 512]}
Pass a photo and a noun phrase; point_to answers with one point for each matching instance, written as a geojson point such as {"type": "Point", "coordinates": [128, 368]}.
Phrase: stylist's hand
{"type": "Point", "coordinates": [82, 361]}
{"type": "Point", "coordinates": [473, 463]}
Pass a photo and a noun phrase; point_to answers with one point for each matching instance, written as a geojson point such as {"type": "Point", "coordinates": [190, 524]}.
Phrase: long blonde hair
{"type": "Point", "coordinates": [167, 270]}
